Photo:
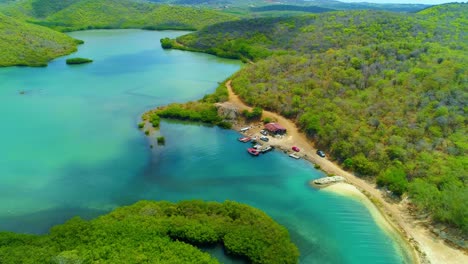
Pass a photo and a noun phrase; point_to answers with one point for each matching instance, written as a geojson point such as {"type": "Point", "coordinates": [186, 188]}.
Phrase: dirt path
{"type": "Point", "coordinates": [434, 249]}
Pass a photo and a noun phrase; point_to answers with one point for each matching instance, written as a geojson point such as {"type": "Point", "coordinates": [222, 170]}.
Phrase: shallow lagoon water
{"type": "Point", "coordinates": [70, 146]}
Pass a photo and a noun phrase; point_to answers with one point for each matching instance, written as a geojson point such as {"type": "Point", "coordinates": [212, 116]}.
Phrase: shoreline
{"type": "Point", "coordinates": [422, 246]}
{"type": "Point", "coordinates": [387, 226]}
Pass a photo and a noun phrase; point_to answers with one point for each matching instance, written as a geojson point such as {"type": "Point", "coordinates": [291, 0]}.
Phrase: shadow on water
{"type": "Point", "coordinates": [40, 222]}
{"type": "Point", "coordinates": [218, 252]}
{"type": "Point", "coordinates": [310, 250]}
{"type": "Point", "coordinates": [80, 190]}
{"type": "Point", "coordinates": [140, 62]}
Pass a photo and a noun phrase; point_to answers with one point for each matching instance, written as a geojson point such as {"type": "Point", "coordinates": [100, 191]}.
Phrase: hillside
{"type": "Point", "coordinates": [157, 232]}
{"type": "Point", "coordinates": [254, 39]}
{"type": "Point", "coordinates": [364, 5]}
{"type": "Point", "coordinates": [26, 44]}
{"type": "Point", "coordinates": [230, 5]}
{"type": "Point", "coordinates": [384, 93]}
{"type": "Point", "coordinates": [87, 14]}
{"type": "Point", "coordinates": [23, 43]}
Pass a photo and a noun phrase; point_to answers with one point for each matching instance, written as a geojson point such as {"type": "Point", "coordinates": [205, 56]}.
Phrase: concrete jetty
{"type": "Point", "coordinates": [329, 180]}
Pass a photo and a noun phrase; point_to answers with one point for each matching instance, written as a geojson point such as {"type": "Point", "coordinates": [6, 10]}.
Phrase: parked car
{"type": "Point", "coordinates": [295, 149]}
{"type": "Point", "coordinates": [264, 132]}
{"type": "Point", "coordinates": [264, 138]}
{"type": "Point", "coordinates": [321, 153]}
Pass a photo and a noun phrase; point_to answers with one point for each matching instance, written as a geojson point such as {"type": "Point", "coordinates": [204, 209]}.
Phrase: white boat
{"type": "Point", "coordinates": [266, 149]}
{"type": "Point", "coordinates": [292, 155]}
{"type": "Point", "coordinates": [244, 129]}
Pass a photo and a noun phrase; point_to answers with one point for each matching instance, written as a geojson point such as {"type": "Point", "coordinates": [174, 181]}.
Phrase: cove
{"type": "Point", "coordinates": [70, 146]}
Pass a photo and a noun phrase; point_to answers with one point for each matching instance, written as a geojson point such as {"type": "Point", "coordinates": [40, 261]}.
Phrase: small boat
{"type": "Point", "coordinates": [244, 129]}
{"type": "Point", "coordinates": [253, 152]}
{"type": "Point", "coordinates": [292, 155]}
{"type": "Point", "coordinates": [266, 149]}
{"type": "Point", "coordinates": [244, 139]}
{"type": "Point", "coordinates": [295, 149]}
{"type": "Point", "coordinates": [257, 146]}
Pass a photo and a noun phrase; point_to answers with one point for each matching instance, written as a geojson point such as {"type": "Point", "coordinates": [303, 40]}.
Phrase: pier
{"type": "Point", "coordinates": [329, 180]}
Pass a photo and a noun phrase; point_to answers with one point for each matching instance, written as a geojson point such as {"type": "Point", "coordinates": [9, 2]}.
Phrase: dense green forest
{"type": "Point", "coordinates": [87, 14]}
{"type": "Point", "coordinates": [243, 6]}
{"type": "Point", "coordinates": [384, 93]}
{"type": "Point", "coordinates": [157, 232]}
{"type": "Point", "coordinates": [259, 38]}
{"type": "Point", "coordinates": [364, 5]}
{"type": "Point", "coordinates": [26, 44]}
{"type": "Point", "coordinates": [308, 9]}
{"type": "Point", "coordinates": [23, 43]}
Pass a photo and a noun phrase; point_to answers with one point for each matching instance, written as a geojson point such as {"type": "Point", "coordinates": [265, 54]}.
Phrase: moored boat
{"type": "Point", "coordinates": [244, 139]}
{"type": "Point", "coordinates": [266, 149]}
{"type": "Point", "coordinates": [253, 152]}
{"type": "Point", "coordinates": [244, 129]}
{"type": "Point", "coordinates": [257, 146]}
{"type": "Point", "coordinates": [292, 155]}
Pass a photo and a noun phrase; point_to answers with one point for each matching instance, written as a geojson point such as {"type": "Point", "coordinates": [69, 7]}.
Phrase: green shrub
{"type": "Point", "coordinates": [141, 125]}
{"type": "Point", "coordinates": [155, 120]}
{"type": "Point", "coordinates": [166, 43]}
{"type": "Point", "coordinates": [192, 111]}
{"type": "Point", "coordinates": [255, 114]}
{"type": "Point", "coordinates": [161, 140]}
{"type": "Point", "coordinates": [78, 61]}
{"type": "Point", "coordinates": [225, 125]}
{"type": "Point", "coordinates": [220, 95]}
{"type": "Point", "coordinates": [395, 180]}
{"type": "Point", "coordinates": [267, 120]}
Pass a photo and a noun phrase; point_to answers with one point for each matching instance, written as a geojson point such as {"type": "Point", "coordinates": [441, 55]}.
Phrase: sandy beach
{"type": "Point", "coordinates": [352, 192]}
{"type": "Point", "coordinates": [392, 217]}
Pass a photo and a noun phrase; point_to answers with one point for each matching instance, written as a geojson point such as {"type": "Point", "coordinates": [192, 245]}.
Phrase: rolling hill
{"type": "Point", "coordinates": [22, 43]}
{"type": "Point", "coordinates": [73, 15]}
{"type": "Point", "coordinates": [128, 14]}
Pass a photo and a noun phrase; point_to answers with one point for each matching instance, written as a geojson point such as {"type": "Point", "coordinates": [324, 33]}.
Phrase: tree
{"type": "Point", "coordinates": [395, 179]}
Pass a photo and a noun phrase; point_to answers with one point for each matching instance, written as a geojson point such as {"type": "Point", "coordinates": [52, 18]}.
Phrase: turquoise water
{"type": "Point", "coordinates": [70, 146]}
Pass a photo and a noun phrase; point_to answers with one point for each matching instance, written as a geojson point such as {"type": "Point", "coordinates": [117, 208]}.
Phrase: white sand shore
{"type": "Point", "coordinates": [351, 191]}
{"type": "Point", "coordinates": [436, 251]}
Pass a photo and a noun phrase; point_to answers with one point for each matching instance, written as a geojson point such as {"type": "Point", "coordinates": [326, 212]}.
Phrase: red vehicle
{"type": "Point", "coordinates": [253, 151]}
{"type": "Point", "coordinates": [295, 149]}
